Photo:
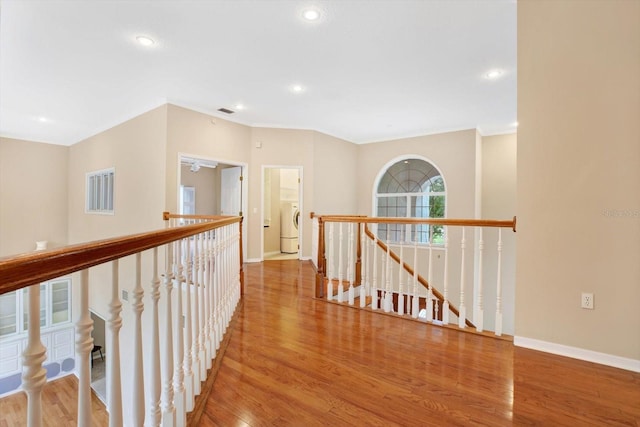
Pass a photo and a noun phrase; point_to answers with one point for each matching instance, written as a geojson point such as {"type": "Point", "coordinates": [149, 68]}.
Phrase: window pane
{"type": "Point", "coordinates": [60, 302]}
{"type": "Point", "coordinates": [8, 306]}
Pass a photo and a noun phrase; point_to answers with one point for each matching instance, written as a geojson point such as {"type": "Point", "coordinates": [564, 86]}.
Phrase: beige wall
{"type": "Point", "coordinates": [33, 195]}
{"type": "Point", "coordinates": [206, 182]}
{"type": "Point", "coordinates": [280, 147]}
{"type": "Point", "coordinates": [579, 174]}
{"type": "Point", "coordinates": [498, 200]}
{"type": "Point", "coordinates": [453, 153]}
{"type": "Point", "coordinates": [336, 164]}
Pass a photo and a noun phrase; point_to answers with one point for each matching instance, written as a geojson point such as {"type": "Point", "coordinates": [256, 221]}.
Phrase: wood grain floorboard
{"type": "Point", "coordinates": [296, 361]}
{"type": "Point", "coordinates": [59, 406]}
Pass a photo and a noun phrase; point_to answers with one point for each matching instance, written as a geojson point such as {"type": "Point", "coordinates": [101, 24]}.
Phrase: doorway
{"type": "Point", "coordinates": [281, 210]}
{"type": "Point", "coordinates": [209, 186]}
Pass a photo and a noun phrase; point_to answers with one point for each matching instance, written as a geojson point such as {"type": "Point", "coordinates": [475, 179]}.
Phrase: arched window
{"type": "Point", "coordinates": [412, 188]}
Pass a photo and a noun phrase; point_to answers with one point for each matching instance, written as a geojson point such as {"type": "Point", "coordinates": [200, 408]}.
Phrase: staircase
{"type": "Point", "coordinates": [353, 263]}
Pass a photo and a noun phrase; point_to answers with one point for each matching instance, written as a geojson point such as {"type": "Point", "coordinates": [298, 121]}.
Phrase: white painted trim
{"type": "Point", "coordinates": [578, 353]}
{"type": "Point", "coordinates": [252, 260]}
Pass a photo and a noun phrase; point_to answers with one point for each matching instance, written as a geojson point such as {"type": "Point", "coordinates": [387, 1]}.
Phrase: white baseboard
{"type": "Point", "coordinates": [578, 353]}
{"type": "Point", "coordinates": [252, 260]}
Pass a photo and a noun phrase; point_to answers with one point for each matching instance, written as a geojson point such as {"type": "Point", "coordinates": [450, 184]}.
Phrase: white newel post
{"type": "Point", "coordinates": [138, 373]}
{"type": "Point", "coordinates": [34, 376]}
{"type": "Point", "coordinates": [340, 277]}
{"type": "Point", "coordinates": [178, 347]}
{"type": "Point", "coordinates": [445, 304]}
{"type": "Point", "coordinates": [463, 309]}
{"type": "Point", "coordinates": [154, 415]}
{"type": "Point", "coordinates": [84, 345]}
{"type": "Point", "coordinates": [498, 328]}
{"type": "Point", "coordinates": [168, 409]}
{"type": "Point", "coordinates": [479, 321]}
{"type": "Point", "coordinates": [114, 383]}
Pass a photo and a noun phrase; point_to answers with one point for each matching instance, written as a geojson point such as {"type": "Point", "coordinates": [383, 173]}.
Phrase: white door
{"type": "Point", "coordinates": [231, 192]}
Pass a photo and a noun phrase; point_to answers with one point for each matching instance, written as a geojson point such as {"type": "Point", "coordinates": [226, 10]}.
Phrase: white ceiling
{"type": "Point", "coordinates": [371, 70]}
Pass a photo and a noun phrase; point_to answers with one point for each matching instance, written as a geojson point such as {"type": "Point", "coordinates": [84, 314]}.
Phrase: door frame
{"type": "Point", "coordinates": [244, 188]}
{"type": "Point", "coordinates": [299, 168]}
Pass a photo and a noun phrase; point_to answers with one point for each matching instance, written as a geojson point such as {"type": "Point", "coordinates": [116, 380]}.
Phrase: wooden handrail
{"type": "Point", "coordinates": [411, 272]}
{"type": "Point", "coordinates": [432, 221]}
{"type": "Point", "coordinates": [166, 216]}
{"type": "Point", "coordinates": [24, 270]}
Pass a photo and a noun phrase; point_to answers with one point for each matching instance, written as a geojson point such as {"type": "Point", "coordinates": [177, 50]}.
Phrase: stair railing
{"type": "Point", "coordinates": [386, 278]}
{"type": "Point", "coordinates": [202, 260]}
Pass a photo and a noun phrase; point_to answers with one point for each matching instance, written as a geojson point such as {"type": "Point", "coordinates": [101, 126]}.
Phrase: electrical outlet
{"type": "Point", "coordinates": [587, 301]}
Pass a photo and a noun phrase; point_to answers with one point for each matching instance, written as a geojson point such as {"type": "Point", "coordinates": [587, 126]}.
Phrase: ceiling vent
{"type": "Point", "coordinates": [226, 110]}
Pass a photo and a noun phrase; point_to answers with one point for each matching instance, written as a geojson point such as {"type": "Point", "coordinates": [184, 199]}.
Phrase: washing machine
{"type": "Point", "coordinates": [289, 218]}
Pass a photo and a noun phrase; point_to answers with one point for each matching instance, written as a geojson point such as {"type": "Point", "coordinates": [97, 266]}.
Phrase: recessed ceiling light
{"type": "Point", "coordinates": [42, 119]}
{"type": "Point", "coordinates": [311, 14]}
{"type": "Point", "coordinates": [239, 107]}
{"type": "Point", "coordinates": [297, 88]}
{"type": "Point", "coordinates": [145, 41]}
{"type": "Point", "coordinates": [494, 74]}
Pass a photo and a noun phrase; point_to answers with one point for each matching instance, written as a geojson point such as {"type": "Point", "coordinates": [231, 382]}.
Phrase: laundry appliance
{"type": "Point", "coordinates": [289, 218]}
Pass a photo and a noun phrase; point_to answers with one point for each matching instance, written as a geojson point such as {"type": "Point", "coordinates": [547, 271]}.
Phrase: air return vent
{"type": "Point", "coordinates": [226, 110]}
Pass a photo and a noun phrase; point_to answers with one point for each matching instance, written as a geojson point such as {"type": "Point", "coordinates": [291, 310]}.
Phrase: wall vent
{"type": "Point", "coordinates": [226, 110]}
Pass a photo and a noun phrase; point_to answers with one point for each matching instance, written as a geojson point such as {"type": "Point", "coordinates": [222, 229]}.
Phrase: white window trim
{"type": "Point", "coordinates": [88, 193]}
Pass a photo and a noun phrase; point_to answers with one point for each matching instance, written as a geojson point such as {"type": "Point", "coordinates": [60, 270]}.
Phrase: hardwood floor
{"type": "Point", "coordinates": [292, 360]}
{"type": "Point", "coordinates": [296, 361]}
{"type": "Point", "coordinates": [59, 406]}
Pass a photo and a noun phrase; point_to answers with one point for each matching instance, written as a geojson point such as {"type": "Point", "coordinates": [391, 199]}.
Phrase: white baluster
{"type": "Point", "coordinates": [374, 284]}
{"type": "Point", "coordinates": [168, 409]}
{"type": "Point", "coordinates": [387, 283]}
{"type": "Point", "coordinates": [331, 271]}
{"type": "Point", "coordinates": [463, 310]}
{"type": "Point", "coordinates": [84, 345]}
{"type": "Point", "coordinates": [196, 318]}
{"type": "Point", "coordinates": [200, 290]}
{"type": "Point", "coordinates": [340, 284]}
{"type": "Point", "coordinates": [364, 277]}
{"type": "Point", "coordinates": [351, 266]}
{"type": "Point", "coordinates": [114, 383]}
{"type": "Point", "coordinates": [216, 288]}
{"type": "Point", "coordinates": [34, 376]}
{"type": "Point", "coordinates": [445, 304]}
{"type": "Point", "coordinates": [206, 296]}
{"type": "Point", "coordinates": [138, 373]}
{"type": "Point", "coordinates": [188, 337]}
{"type": "Point", "coordinates": [179, 398]}
{"type": "Point", "coordinates": [154, 382]}
{"type": "Point", "coordinates": [498, 327]}
{"type": "Point", "coordinates": [400, 284]}
{"type": "Point", "coordinates": [429, 283]}
{"type": "Point", "coordinates": [479, 321]}
{"type": "Point", "coordinates": [415, 307]}
{"type": "Point", "coordinates": [212, 284]}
